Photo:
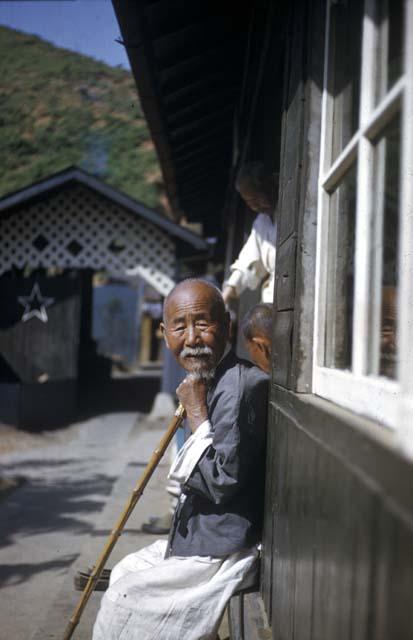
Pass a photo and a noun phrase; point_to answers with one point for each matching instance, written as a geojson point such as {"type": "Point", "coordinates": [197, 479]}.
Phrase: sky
{"type": "Point", "coordinates": [85, 26]}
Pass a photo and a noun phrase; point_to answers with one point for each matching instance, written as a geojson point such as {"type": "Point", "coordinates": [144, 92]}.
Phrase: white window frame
{"type": "Point", "coordinates": [386, 401]}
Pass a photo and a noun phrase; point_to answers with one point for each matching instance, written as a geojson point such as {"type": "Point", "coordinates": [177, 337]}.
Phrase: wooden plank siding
{"type": "Point", "coordinates": [338, 533]}
{"type": "Point", "coordinates": [338, 545]}
{"type": "Point", "coordinates": [303, 25]}
{"type": "Point", "coordinates": [288, 571]}
{"type": "Point", "coordinates": [297, 217]}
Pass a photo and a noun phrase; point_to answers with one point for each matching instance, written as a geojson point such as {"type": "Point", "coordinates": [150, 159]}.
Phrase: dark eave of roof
{"type": "Point", "coordinates": [187, 60]}
{"type": "Point", "coordinates": [75, 175]}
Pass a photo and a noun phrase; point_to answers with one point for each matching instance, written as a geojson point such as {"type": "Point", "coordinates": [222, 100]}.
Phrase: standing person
{"type": "Point", "coordinates": [179, 590]}
{"type": "Point", "coordinates": [255, 265]}
{"type": "Point", "coordinates": [256, 327]}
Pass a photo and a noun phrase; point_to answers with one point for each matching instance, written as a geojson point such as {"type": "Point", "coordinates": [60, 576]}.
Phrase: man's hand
{"type": "Point", "coordinates": [228, 293]}
{"type": "Point", "coordinates": [192, 394]}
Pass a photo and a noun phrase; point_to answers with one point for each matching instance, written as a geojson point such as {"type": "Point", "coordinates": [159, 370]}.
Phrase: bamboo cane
{"type": "Point", "coordinates": [136, 494]}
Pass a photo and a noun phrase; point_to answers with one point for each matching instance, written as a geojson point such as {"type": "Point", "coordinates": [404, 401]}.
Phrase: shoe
{"type": "Point", "coordinates": [82, 577]}
{"type": "Point", "coordinates": [158, 525]}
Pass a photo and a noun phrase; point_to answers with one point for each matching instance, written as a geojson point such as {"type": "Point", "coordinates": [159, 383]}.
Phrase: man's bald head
{"type": "Point", "coordinates": [195, 324]}
{"type": "Point", "coordinates": [193, 287]}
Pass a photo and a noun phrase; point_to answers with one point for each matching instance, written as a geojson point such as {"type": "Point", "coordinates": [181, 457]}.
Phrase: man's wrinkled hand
{"type": "Point", "coordinates": [192, 393]}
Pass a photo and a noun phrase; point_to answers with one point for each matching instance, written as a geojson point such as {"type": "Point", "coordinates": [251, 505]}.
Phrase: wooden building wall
{"type": "Point", "coordinates": [39, 360]}
{"type": "Point", "coordinates": [338, 539]}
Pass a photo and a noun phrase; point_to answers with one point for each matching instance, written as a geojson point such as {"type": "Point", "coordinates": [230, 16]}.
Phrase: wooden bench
{"type": "Point", "coordinates": [247, 617]}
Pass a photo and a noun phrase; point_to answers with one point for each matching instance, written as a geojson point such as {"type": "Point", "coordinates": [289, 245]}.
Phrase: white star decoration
{"type": "Point", "coordinates": [35, 305]}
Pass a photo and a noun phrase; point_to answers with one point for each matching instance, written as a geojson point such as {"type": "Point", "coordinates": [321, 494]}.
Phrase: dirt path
{"type": "Point", "coordinates": [14, 440]}
{"type": "Point", "coordinates": [68, 476]}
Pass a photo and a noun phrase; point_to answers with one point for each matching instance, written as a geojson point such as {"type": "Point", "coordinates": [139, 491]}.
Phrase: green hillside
{"type": "Point", "coordinates": [59, 108]}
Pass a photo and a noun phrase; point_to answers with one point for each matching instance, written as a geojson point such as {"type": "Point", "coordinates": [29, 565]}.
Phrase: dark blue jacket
{"type": "Point", "coordinates": [222, 512]}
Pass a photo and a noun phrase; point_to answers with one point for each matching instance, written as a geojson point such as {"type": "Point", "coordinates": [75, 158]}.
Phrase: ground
{"type": "Point", "coordinates": [13, 439]}
{"type": "Point", "coordinates": [71, 486]}
{"type": "Point", "coordinates": [76, 483]}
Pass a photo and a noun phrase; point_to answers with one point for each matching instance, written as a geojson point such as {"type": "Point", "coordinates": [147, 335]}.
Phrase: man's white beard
{"type": "Point", "coordinates": [206, 375]}
{"type": "Point", "coordinates": [204, 367]}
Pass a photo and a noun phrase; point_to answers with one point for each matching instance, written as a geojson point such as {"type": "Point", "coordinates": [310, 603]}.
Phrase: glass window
{"type": "Point", "coordinates": [340, 274]}
{"type": "Point", "coordinates": [364, 260]}
{"type": "Point", "coordinates": [385, 250]}
{"type": "Point", "coordinates": [390, 45]}
{"type": "Point", "coordinates": [346, 20]}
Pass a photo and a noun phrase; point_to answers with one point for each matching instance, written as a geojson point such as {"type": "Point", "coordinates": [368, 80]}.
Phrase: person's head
{"type": "Point", "coordinates": [196, 325]}
{"type": "Point", "coordinates": [256, 327]}
{"type": "Point", "coordinates": [257, 187]}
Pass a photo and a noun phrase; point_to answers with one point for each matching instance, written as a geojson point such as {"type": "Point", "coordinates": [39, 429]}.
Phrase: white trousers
{"type": "Point", "coordinates": [153, 598]}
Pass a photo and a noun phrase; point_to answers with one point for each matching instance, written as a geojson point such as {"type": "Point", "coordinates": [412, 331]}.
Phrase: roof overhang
{"type": "Point", "coordinates": [187, 59]}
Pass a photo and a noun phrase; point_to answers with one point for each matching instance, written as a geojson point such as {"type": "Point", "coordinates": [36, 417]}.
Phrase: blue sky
{"type": "Point", "coordinates": [86, 26]}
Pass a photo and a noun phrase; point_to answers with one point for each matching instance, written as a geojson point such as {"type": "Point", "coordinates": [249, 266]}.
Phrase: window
{"type": "Point", "coordinates": [363, 342]}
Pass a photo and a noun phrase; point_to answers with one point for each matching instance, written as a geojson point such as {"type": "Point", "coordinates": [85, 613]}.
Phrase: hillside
{"type": "Point", "coordinates": [60, 108]}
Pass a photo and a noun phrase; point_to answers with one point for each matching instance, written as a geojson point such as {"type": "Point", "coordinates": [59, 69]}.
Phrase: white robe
{"type": "Point", "coordinates": [151, 597]}
{"type": "Point", "coordinates": [256, 261]}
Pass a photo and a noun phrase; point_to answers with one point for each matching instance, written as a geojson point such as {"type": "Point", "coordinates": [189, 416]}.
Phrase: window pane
{"type": "Point", "coordinates": [387, 201]}
{"type": "Point", "coordinates": [340, 275]}
{"type": "Point", "coordinates": [345, 69]}
{"type": "Point", "coordinates": [391, 44]}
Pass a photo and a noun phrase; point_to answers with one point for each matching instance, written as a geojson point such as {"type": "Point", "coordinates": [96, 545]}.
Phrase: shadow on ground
{"type": "Point", "coordinates": [56, 405]}
{"type": "Point", "coordinates": [13, 574]}
{"type": "Point", "coordinates": [41, 506]}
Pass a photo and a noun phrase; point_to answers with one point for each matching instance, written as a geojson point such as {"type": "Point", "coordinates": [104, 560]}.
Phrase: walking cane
{"type": "Point", "coordinates": [136, 494]}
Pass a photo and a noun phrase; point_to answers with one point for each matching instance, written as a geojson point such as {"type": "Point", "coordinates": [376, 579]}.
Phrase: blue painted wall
{"type": "Point", "coordinates": [115, 325]}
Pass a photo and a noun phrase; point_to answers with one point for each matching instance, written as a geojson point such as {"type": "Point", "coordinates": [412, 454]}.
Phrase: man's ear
{"type": "Point", "coordinates": [263, 345]}
{"type": "Point", "coordinates": [260, 343]}
{"type": "Point", "coordinates": [163, 329]}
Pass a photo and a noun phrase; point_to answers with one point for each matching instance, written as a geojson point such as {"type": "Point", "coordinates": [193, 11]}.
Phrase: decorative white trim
{"type": "Point", "coordinates": [78, 229]}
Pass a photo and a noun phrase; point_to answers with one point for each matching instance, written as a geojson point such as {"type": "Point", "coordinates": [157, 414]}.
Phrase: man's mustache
{"type": "Point", "coordinates": [195, 352]}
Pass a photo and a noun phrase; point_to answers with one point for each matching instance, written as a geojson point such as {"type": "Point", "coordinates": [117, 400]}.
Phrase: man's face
{"type": "Point", "coordinates": [259, 351]}
{"type": "Point", "coordinates": [195, 328]}
{"type": "Point", "coordinates": [256, 200]}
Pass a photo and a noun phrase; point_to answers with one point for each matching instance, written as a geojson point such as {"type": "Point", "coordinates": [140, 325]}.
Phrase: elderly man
{"type": "Point", "coordinates": [179, 590]}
